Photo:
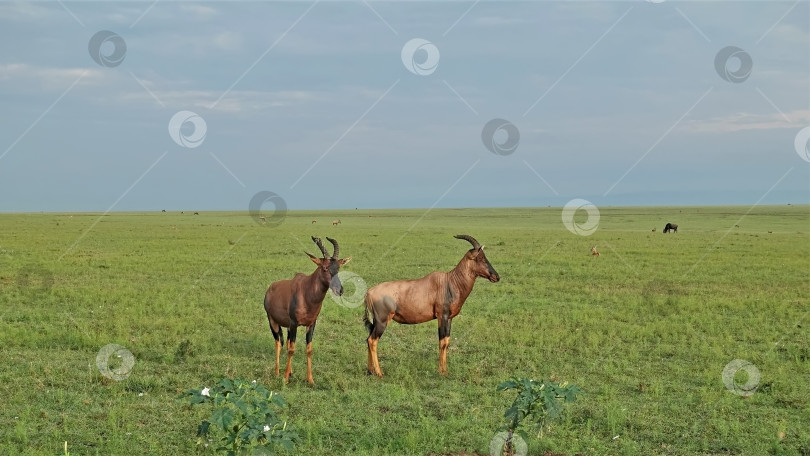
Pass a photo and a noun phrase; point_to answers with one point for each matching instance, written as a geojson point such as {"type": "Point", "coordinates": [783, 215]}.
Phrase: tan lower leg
{"type": "Point", "coordinates": [443, 344]}
{"type": "Point", "coordinates": [376, 362]}
{"type": "Point", "coordinates": [309, 364]}
{"type": "Point", "coordinates": [290, 352]}
{"type": "Point", "coordinates": [278, 355]}
{"type": "Point", "coordinates": [370, 364]}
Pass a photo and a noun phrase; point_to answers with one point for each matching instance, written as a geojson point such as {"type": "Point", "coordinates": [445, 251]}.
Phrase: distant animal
{"type": "Point", "coordinates": [594, 252]}
{"type": "Point", "coordinates": [297, 302]}
{"type": "Point", "coordinates": [653, 230]}
{"type": "Point", "coordinates": [670, 226]}
{"type": "Point", "coordinates": [263, 218]}
{"type": "Point", "coordinates": [335, 222]}
{"type": "Point", "coordinates": [438, 295]}
{"type": "Point", "coordinates": [196, 213]}
{"type": "Point", "coordinates": [164, 210]}
{"type": "Point", "coordinates": [314, 221]}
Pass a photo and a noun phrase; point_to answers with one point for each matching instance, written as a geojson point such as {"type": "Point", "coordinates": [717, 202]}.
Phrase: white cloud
{"type": "Point", "coordinates": [199, 11]}
{"type": "Point", "coordinates": [746, 121]}
{"type": "Point", "coordinates": [235, 102]}
{"type": "Point", "coordinates": [228, 41]}
{"type": "Point", "coordinates": [34, 77]}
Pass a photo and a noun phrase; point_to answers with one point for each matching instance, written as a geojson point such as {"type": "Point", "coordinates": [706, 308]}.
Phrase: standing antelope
{"type": "Point", "coordinates": [297, 302]}
{"type": "Point", "coordinates": [594, 252]}
{"type": "Point", "coordinates": [438, 295]}
{"type": "Point", "coordinates": [335, 222]}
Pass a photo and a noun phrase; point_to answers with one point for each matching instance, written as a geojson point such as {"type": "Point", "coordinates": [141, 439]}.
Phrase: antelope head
{"type": "Point", "coordinates": [478, 260]}
{"type": "Point", "coordinates": [328, 266]}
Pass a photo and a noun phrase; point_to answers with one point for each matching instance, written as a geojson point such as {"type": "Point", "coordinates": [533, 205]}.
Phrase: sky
{"type": "Point", "coordinates": [184, 105]}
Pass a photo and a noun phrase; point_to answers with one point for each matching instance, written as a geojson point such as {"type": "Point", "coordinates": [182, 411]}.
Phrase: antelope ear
{"type": "Point", "coordinates": [314, 259]}
{"type": "Point", "coordinates": [344, 260]}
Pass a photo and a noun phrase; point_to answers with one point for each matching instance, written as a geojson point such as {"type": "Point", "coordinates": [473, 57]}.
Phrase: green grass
{"type": "Point", "coordinates": [645, 330]}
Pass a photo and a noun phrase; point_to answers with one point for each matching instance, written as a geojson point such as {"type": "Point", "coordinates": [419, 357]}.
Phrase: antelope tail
{"type": "Point", "coordinates": [369, 307]}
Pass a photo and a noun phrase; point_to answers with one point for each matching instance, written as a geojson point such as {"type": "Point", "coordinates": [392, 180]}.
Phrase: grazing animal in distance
{"type": "Point", "coordinates": [653, 230]}
{"type": "Point", "coordinates": [594, 252]}
{"type": "Point", "coordinates": [670, 226]}
{"type": "Point", "coordinates": [437, 296]}
{"type": "Point", "coordinates": [263, 218]}
{"type": "Point", "coordinates": [297, 302]}
{"type": "Point", "coordinates": [196, 213]}
{"type": "Point", "coordinates": [335, 222]}
{"type": "Point", "coordinates": [314, 221]}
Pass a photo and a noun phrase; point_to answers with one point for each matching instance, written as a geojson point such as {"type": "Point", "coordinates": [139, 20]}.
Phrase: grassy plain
{"type": "Point", "coordinates": [645, 329]}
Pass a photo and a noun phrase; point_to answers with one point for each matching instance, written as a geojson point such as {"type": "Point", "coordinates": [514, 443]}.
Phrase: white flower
{"type": "Point", "coordinates": [205, 391]}
{"type": "Point", "coordinates": [266, 428]}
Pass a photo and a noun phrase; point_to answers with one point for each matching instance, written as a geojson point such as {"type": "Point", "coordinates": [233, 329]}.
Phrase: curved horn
{"type": "Point", "coordinates": [337, 249]}
{"type": "Point", "coordinates": [469, 239]}
{"type": "Point", "coordinates": [318, 242]}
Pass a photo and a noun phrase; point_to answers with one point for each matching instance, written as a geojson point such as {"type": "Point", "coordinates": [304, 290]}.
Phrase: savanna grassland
{"type": "Point", "coordinates": [645, 330]}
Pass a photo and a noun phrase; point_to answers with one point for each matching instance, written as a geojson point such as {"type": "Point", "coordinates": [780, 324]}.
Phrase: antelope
{"type": "Point", "coordinates": [297, 302]}
{"type": "Point", "coordinates": [263, 218]}
{"type": "Point", "coordinates": [670, 226]}
{"type": "Point", "coordinates": [438, 295]}
{"type": "Point", "coordinates": [335, 222]}
{"type": "Point", "coordinates": [594, 252]}
{"type": "Point", "coordinates": [314, 221]}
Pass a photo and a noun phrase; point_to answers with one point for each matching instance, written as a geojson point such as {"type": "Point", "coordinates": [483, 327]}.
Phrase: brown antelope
{"type": "Point", "coordinates": [438, 295]}
{"type": "Point", "coordinates": [314, 221]}
{"type": "Point", "coordinates": [335, 222]}
{"type": "Point", "coordinates": [263, 218]}
{"type": "Point", "coordinates": [594, 252]}
{"type": "Point", "coordinates": [297, 302]}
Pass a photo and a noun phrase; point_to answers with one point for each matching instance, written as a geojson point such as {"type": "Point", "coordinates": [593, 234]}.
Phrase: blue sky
{"type": "Point", "coordinates": [618, 103]}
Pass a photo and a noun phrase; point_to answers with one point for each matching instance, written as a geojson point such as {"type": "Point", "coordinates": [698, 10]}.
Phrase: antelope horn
{"type": "Point", "coordinates": [469, 239]}
{"type": "Point", "coordinates": [318, 242]}
{"type": "Point", "coordinates": [337, 249]}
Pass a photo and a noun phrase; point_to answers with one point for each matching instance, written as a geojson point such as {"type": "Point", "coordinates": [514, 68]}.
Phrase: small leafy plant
{"type": "Point", "coordinates": [537, 402]}
{"type": "Point", "coordinates": [245, 412]}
